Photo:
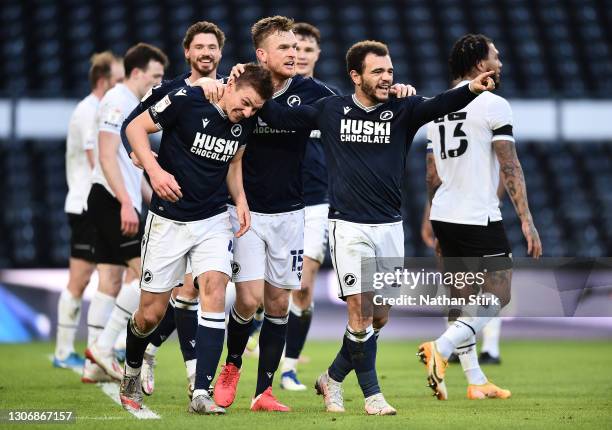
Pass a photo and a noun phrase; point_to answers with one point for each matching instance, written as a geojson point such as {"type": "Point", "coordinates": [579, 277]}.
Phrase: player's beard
{"type": "Point", "coordinates": [370, 92]}
{"type": "Point", "coordinates": [204, 71]}
{"type": "Point", "coordinates": [497, 80]}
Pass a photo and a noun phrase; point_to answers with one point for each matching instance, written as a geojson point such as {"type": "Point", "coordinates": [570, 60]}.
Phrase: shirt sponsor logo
{"type": "Point", "coordinates": [213, 147]}
{"type": "Point", "coordinates": [357, 130]}
{"type": "Point", "coordinates": [263, 128]}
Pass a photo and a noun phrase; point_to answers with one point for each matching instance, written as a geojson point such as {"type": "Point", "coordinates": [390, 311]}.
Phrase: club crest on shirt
{"type": "Point", "coordinates": [294, 100]}
{"type": "Point", "coordinates": [386, 115]}
{"type": "Point", "coordinates": [236, 130]}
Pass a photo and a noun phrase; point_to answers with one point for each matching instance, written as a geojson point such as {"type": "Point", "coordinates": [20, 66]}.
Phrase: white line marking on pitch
{"type": "Point", "coordinates": [111, 389]}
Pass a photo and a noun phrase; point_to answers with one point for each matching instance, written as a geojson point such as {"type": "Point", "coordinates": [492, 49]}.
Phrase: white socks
{"type": "Point", "coordinates": [190, 368]}
{"type": "Point", "coordinates": [100, 309]}
{"type": "Point", "coordinates": [472, 321]}
{"type": "Point", "coordinates": [490, 337]}
{"type": "Point", "coordinates": [151, 350]}
{"type": "Point", "coordinates": [125, 305]}
{"type": "Point", "coordinates": [469, 362]}
{"type": "Point", "coordinates": [68, 316]}
{"type": "Point", "coordinates": [289, 364]}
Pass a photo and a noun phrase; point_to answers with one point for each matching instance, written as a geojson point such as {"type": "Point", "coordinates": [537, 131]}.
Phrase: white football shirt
{"type": "Point", "coordinates": [79, 139]}
{"type": "Point", "coordinates": [114, 107]}
{"type": "Point", "coordinates": [466, 162]}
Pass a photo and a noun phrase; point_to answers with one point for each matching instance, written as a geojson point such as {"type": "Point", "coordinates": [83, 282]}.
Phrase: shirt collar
{"type": "Point", "coordinates": [364, 108]}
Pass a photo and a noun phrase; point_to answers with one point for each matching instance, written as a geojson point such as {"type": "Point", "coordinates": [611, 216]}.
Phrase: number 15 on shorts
{"type": "Point", "coordinates": [297, 260]}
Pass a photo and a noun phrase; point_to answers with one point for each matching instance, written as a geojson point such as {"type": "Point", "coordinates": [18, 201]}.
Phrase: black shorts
{"type": "Point", "coordinates": [111, 247]}
{"type": "Point", "coordinates": [82, 236]}
{"type": "Point", "coordinates": [488, 244]}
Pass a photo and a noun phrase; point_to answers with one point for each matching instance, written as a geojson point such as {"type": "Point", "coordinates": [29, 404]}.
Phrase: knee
{"type": "Point", "coordinates": [303, 296]}
{"type": "Point", "coordinates": [150, 318]}
{"type": "Point", "coordinates": [247, 305]}
{"type": "Point", "coordinates": [212, 287]}
{"type": "Point", "coordinates": [278, 304]}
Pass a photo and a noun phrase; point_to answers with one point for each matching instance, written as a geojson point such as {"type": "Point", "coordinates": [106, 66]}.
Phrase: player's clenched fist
{"type": "Point", "coordinates": [165, 186]}
{"type": "Point", "coordinates": [483, 82]}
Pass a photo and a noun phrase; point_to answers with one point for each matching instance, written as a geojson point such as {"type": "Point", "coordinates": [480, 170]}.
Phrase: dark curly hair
{"type": "Point", "coordinates": [466, 53]}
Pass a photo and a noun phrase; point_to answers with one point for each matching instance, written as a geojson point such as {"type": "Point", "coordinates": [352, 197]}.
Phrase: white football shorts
{"type": "Point", "coordinates": [272, 249]}
{"type": "Point", "coordinates": [350, 243]}
{"type": "Point", "coordinates": [169, 245]}
{"type": "Point", "coordinates": [316, 231]}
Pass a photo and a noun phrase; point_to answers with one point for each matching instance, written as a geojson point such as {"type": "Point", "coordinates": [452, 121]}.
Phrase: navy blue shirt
{"type": "Point", "coordinates": [154, 95]}
{"type": "Point", "coordinates": [314, 172]}
{"type": "Point", "coordinates": [197, 146]}
{"type": "Point", "coordinates": [272, 163]}
{"type": "Point", "coordinates": [366, 147]}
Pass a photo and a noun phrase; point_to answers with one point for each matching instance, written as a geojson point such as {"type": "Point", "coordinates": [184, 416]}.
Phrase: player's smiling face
{"type": "Point", "coordinates": [240, 102]}
{"type": "Point", "coordinates": [307, 55]}
{"type": "Point", "coordinates": [278, 53]}
{"type": "Point", "coordinates": [204, 54]}
{"type": "Point", "coordinates": [376, 79]}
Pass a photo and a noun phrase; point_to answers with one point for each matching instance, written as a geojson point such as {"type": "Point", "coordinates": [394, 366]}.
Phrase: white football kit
{"type": "Point", "coordinates": [467, 165]}
{"type": "Point", "coordinates": [352, 244]}
{"type": "Point", "coordinates": [316, 231]}
{"type": "Point", "coordinates": [272, 249]}
{"type": "Point", "coordinates": [114, 107]}
{"type": "Point", "coordinates": [80, 138]}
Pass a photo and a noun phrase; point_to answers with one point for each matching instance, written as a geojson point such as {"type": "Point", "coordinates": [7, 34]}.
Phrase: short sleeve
{"type": "Point", "coordinates": [110, 118]}
{"type": "Point", "coordinates": [499, 117]}
{"type": "Point", "coordinates": [429, 137]}
{"type": "Point", "coordinates": [165, 112]}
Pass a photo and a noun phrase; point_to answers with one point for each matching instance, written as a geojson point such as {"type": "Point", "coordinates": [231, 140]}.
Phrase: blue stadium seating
{"type": "Point", "coordinates": [550, 48]}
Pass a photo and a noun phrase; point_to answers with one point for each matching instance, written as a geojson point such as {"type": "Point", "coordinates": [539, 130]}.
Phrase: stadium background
{"type": "Point", "coordinates": [557, 75]}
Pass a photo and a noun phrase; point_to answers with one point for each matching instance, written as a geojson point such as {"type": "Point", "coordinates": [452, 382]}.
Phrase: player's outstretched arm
{"type": "Point", "coordinates": [302, 118]}
{"type": "Point", "coordinates": [163, 183]}
{"type": "Point", "coordinates": [452, 100]}
{"type": "Point", "coordinates": [514, 181]}
{"type": "Point", "coordinates": [236, 190]}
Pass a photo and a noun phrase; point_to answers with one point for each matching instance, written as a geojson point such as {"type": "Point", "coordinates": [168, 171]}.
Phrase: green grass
{"type": "Point", "coordinates": [555, 384]}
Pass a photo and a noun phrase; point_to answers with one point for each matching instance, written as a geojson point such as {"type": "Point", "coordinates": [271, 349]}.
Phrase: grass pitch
{"type": "Point", "coordinates": [555, 384]}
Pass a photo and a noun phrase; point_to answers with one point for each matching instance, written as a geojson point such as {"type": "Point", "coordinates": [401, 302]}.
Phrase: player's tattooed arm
{"type": "Point", "coordinates": [236, 189]}
{"type": "Point", "coordinates": [431, 177]}
{"type": "Point", "coordinates": [514, 181]}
